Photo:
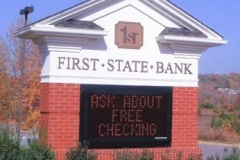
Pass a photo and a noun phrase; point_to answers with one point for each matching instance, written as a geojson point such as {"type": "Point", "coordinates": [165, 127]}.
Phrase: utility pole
{"type": "Point", "coordinates": [25, 12]}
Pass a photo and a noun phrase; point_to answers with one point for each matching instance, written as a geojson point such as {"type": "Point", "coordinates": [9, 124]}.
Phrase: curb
{"type": "Point", "coordinates": [220, 144]}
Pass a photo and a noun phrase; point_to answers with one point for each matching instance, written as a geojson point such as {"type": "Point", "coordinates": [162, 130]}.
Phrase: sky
{"type": "Point", "coordinates": [219, 15]}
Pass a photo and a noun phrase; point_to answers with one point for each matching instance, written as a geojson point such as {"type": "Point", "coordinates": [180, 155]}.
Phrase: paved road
{"type": "Point", "coordinates": [211, 149]}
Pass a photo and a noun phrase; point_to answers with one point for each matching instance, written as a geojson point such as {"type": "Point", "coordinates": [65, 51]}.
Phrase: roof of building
{"type": "Point", "coordinates": [77, 17]}
{"type": "Point", "coordinates": [72, 23]}
{"type": "Point", "coordinates": [182, 32]}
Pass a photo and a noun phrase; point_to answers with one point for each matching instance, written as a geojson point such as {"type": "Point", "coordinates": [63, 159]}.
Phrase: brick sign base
{"type": "Point", "coordinates": [60, 109]}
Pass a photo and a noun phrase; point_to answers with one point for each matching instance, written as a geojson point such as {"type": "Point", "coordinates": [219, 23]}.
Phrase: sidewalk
{"type": "Point", "coordinates": [213, 148]}
{"type": "Point", "coordinates": [220, 144]}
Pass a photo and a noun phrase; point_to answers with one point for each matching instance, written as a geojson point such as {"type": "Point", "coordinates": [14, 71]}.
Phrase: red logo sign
{"type": "Point", "coordinates": [129, 35]}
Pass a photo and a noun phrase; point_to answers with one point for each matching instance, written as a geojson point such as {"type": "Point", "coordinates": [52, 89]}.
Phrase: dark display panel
{"type": "Point", "coordinates": [125, 116]}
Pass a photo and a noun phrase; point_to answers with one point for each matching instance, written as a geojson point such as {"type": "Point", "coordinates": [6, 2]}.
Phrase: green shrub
{"type": "Point", "coordinates": [23, 153]}
{"type": "Point", "coordinates": [236, 126]}
{"type": "Point", "coordinates": [224, 120]}
{"type": "Point", "coordinates": [216, 110]}
{"type": "Point", "coordinates": [38, 151]}
{"type": "Point", "coordinates": [234, 154]}
{"type": "Point", "coordinates": [126, 154]}
{"type": "Point", "coordinates": [211, 158]}
{"type": "Point", "coordinates": [216, 157]}
{"type": "Point", "coordinates": [145, 155]}
{"type": "Point", "coordinates": [237, 108]}
{"type": "Point", "coordinates": [216, 122]}
{"type": "Point", "coordinates": [195, 157]}
{"type": "Point", "coordinates": [179, 156]}
{"type": "Point", "coordinates": [9, 149]}
{"type": "Point", "coordinates": [199, 110]}
{"type": "Point", "coordinates": [223, 115]}
{"type": "Point", "coordinates": [81, 152]}
{"type": "Point", "coordinates": [207, 105]}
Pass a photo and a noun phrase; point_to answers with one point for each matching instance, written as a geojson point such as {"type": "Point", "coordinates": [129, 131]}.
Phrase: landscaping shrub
{"type": "Point", "coordinates": [216, 157]}
{"type": "Point", "coordinates": [195, 157]}
{"type": "Point", "coordinates": [9, 149]}
{"type": "Point", "coordinates": [168, 155]}
{"type": "Point", "coordinates": [126, 154]}
{"type": "Point", "coordinates": [81, 152]}
{"type": "Point", "coordinates": [39, 151]}
{"type": "Point", "coordinates": [178, 156]}
{"type": "Point", "coordinates": [233, 155]}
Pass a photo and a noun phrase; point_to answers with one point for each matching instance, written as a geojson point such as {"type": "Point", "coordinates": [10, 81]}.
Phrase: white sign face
{"type": "Point", "coordinates": [119, 69]}
{"type": "Point", "coordinates": [126, 43]}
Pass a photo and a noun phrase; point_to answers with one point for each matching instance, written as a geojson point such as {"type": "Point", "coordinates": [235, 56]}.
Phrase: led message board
{"type": "Point", "coordinates": [125, 116]}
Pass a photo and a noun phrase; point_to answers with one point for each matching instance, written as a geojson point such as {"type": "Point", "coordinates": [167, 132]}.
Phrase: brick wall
{"type": "Point", "coordinates": [184, 117]}
{"type": "Point", "coordinates": [59, 108]}
{"type": "Point", "coordinates": [60, 104]}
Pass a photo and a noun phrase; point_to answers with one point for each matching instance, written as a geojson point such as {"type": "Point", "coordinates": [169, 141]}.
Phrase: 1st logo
{"type": "Point", "coordinates": [129, 35]}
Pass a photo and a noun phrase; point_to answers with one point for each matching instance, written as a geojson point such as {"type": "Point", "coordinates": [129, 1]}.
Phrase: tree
{"type": "Point", "coordinates": [5, 91]}
{"type": "Point", "coordinates": [237, 103]}
{"type": "Point", "coordinates": [233, 80]}
{"type": "Point", "coordinates": [10, 74]}
{"type": "Point", "coordinates": [32, 121]}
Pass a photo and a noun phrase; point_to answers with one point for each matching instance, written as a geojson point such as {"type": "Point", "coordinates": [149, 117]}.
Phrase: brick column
{"type": "Point", "coordinates": [60, 104]}
{"type": "Point", "coordinates": [184, 117]}
{"type": "Point", "coordinates": [60, 116]}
